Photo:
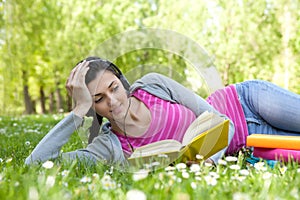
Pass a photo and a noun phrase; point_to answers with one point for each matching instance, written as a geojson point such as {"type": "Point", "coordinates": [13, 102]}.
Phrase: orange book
{"type": "Point", "coordinates": [273, 141]}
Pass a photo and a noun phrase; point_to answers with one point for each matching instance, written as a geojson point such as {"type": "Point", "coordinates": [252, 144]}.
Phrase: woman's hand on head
{"type": "Point", "coordinates": [78, 90]}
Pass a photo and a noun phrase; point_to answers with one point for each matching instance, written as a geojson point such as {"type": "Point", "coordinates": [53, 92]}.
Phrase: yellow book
{"type": "Point", "coordinates": [207, 135]}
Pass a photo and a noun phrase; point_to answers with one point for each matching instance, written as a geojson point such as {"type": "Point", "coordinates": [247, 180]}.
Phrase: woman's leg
{"type": "Point", "coordinates": [269, 108]}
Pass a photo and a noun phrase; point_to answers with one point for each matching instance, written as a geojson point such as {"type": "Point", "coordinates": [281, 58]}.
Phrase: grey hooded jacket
{"type": "Point", "coordinates": [106, 146]}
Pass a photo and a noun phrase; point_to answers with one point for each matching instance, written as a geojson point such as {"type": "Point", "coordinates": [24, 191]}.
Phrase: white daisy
{"type": "Point", "coordinates": [185, 175]}
{"type": "Point", "coordinates": [85, 179]}
{"type": "Point", "coordinates": [139, 175]}
{"type": "Point", "coordinates": [181, 166]}
{"type": "Point", "coordinates": [210, 180]}
{"type": "Point", "coordinates": [135, 194]}
{"type": "Point", "coordinates": [222, 162]}
{"type": "Point", "coordinates": [195, 168]}
{"type": "Point", "coordinates": [193, 185]}
{"type": "Point", "coordinates": [235, 167]}
{"type": "Point", "coordinates": [244, 172]}
{"type": "Point", "coordinates": [50, 181]}
{"type": "Point", "coordinates": [48, 164]}
{"type": "Point", "coordinates": [231, 159]}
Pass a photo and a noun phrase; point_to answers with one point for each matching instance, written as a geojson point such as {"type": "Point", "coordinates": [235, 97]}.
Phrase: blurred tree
{"type": "Point", "coordinates": [40, 42]}
{"type": "Point", "coordinates": [242, 37]}
{"type": "Point", "coordinates": [20, 50]}
{"type": "Point", "coordinates": [284, 63]}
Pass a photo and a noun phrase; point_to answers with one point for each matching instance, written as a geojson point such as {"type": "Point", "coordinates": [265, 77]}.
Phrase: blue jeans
{"type": "Point", "coordinates": [269, 109]}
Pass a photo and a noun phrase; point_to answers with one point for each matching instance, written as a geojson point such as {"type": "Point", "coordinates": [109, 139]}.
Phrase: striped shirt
{"type": "Point", "coordinates": [226, 101]}
{"type": "Point", "coordinates": [168, 121]}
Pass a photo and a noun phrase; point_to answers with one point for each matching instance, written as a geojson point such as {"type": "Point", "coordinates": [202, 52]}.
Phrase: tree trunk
{"type": "Point", "coordinates": [42, 100]}
{"type": "Point", "coordinates": [27, 100]}
{"type": "Point", "coordinates": [29, 108]}
{"type": "Point", "coordinates": [51, 103]}
{"type": "Point", "coordinates": [59, 102]}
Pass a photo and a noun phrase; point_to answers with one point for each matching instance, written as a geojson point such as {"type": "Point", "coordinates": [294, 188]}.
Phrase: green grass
{"type": "Point", "coordinates": [230, 180]}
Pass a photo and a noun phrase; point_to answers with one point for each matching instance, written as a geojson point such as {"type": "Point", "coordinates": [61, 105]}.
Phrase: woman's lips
{"type": "Point", "coordinates": [117, 110]}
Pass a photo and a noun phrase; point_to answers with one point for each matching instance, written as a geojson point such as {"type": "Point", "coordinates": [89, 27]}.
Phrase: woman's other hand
{"type": "Point", "coordinates": [78, 90]}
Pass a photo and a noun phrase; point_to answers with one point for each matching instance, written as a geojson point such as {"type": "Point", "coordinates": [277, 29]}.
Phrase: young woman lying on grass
{"type": "Point", "coordinates": [156, 108]}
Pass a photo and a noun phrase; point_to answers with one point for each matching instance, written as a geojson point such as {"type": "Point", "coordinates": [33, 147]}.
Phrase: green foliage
{"type": "Point", "coordinates": [83, 131]}
{"type": "Point", "coordinates": [233, 178]}
{"type": "Point", "coordinates": [41, 41]}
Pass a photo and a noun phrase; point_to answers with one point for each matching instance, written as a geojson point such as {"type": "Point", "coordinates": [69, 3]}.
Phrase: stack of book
{"type": "Point", "coordinates": [275, 147]}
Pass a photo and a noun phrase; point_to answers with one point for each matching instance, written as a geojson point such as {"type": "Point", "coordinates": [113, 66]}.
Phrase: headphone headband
{"type": "Point", "coordinates": [114, 67]}
{"type": "Point", "coordinates": [110, 64]}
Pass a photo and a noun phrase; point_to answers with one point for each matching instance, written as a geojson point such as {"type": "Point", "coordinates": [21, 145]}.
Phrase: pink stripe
{"type": "Point", "coordinates": [228, 97]}
{"type": "Point", "coordinates": [169, 120]}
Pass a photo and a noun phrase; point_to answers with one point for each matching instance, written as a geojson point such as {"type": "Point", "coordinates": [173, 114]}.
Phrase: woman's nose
{"type": "Point", "coordinates": [111, 100]}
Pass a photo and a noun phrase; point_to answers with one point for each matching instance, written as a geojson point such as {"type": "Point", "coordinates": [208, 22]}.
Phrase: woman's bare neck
{"type": "Point", "coordinates": [136, 121]}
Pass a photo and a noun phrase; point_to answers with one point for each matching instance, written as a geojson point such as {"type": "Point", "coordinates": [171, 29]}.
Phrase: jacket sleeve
{"type": "Point", "coordinates": [166, 87]}
{"type": "Point", "coordinates": [49, 147]}
{"type": "Point", "coordinates": [105, 147]}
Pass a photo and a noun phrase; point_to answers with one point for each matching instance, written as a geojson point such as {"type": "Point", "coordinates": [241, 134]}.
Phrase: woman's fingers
{"type": "Point", "coordinates": [69, 81]}
{"type": "Point", "coordinates": [76, 85]}
{"type": "Point", "coordinates": [78, 90]}
{"type": "Point", "coordinates": [80, 72]}
{"type": "Point", "coordinates": [75, 74]}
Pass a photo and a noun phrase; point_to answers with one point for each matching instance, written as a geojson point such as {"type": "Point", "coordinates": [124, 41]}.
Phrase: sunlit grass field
{"type": "Point", "coordinates": [232, 178]}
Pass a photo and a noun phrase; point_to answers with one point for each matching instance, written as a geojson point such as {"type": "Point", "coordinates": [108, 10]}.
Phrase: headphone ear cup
{"type": "Point", "coordinates": [124, 82]}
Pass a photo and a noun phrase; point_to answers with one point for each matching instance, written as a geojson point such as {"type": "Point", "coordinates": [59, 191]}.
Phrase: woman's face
{"type": "Point", "coordinates": [109, 96]}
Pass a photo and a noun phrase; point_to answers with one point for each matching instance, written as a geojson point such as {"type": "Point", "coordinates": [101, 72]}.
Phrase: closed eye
{"type": "Point", "coordinates": [113, 89]}
{"type": "Point", "coordinates": [116, 88]}
{"type": "Point", "coordinates": [98, 100]}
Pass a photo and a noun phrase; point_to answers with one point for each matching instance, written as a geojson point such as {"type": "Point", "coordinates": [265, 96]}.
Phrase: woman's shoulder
{"type": "Point", "coordinates": [150, 78]}
{"type": "Point", "coordinates": [153, 76]}
{"type": "Point", "coordinates": [153, 83]}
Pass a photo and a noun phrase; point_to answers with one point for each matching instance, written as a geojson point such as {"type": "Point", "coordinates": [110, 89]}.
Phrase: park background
{"type": "Point", "coordinates": [41, 41]}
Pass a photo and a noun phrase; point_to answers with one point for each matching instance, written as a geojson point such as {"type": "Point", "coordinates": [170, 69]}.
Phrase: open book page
{"type": "Point", "coordinates": [159, 147]}
{"type": "Point", "coordinates": [202, 123]}
{"type": "Point", "coordinates": [164, 159]}
{"type": "Point", "coordinates": [208, 142]}
{"type": "Point", "coordinates": [207, 135]}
